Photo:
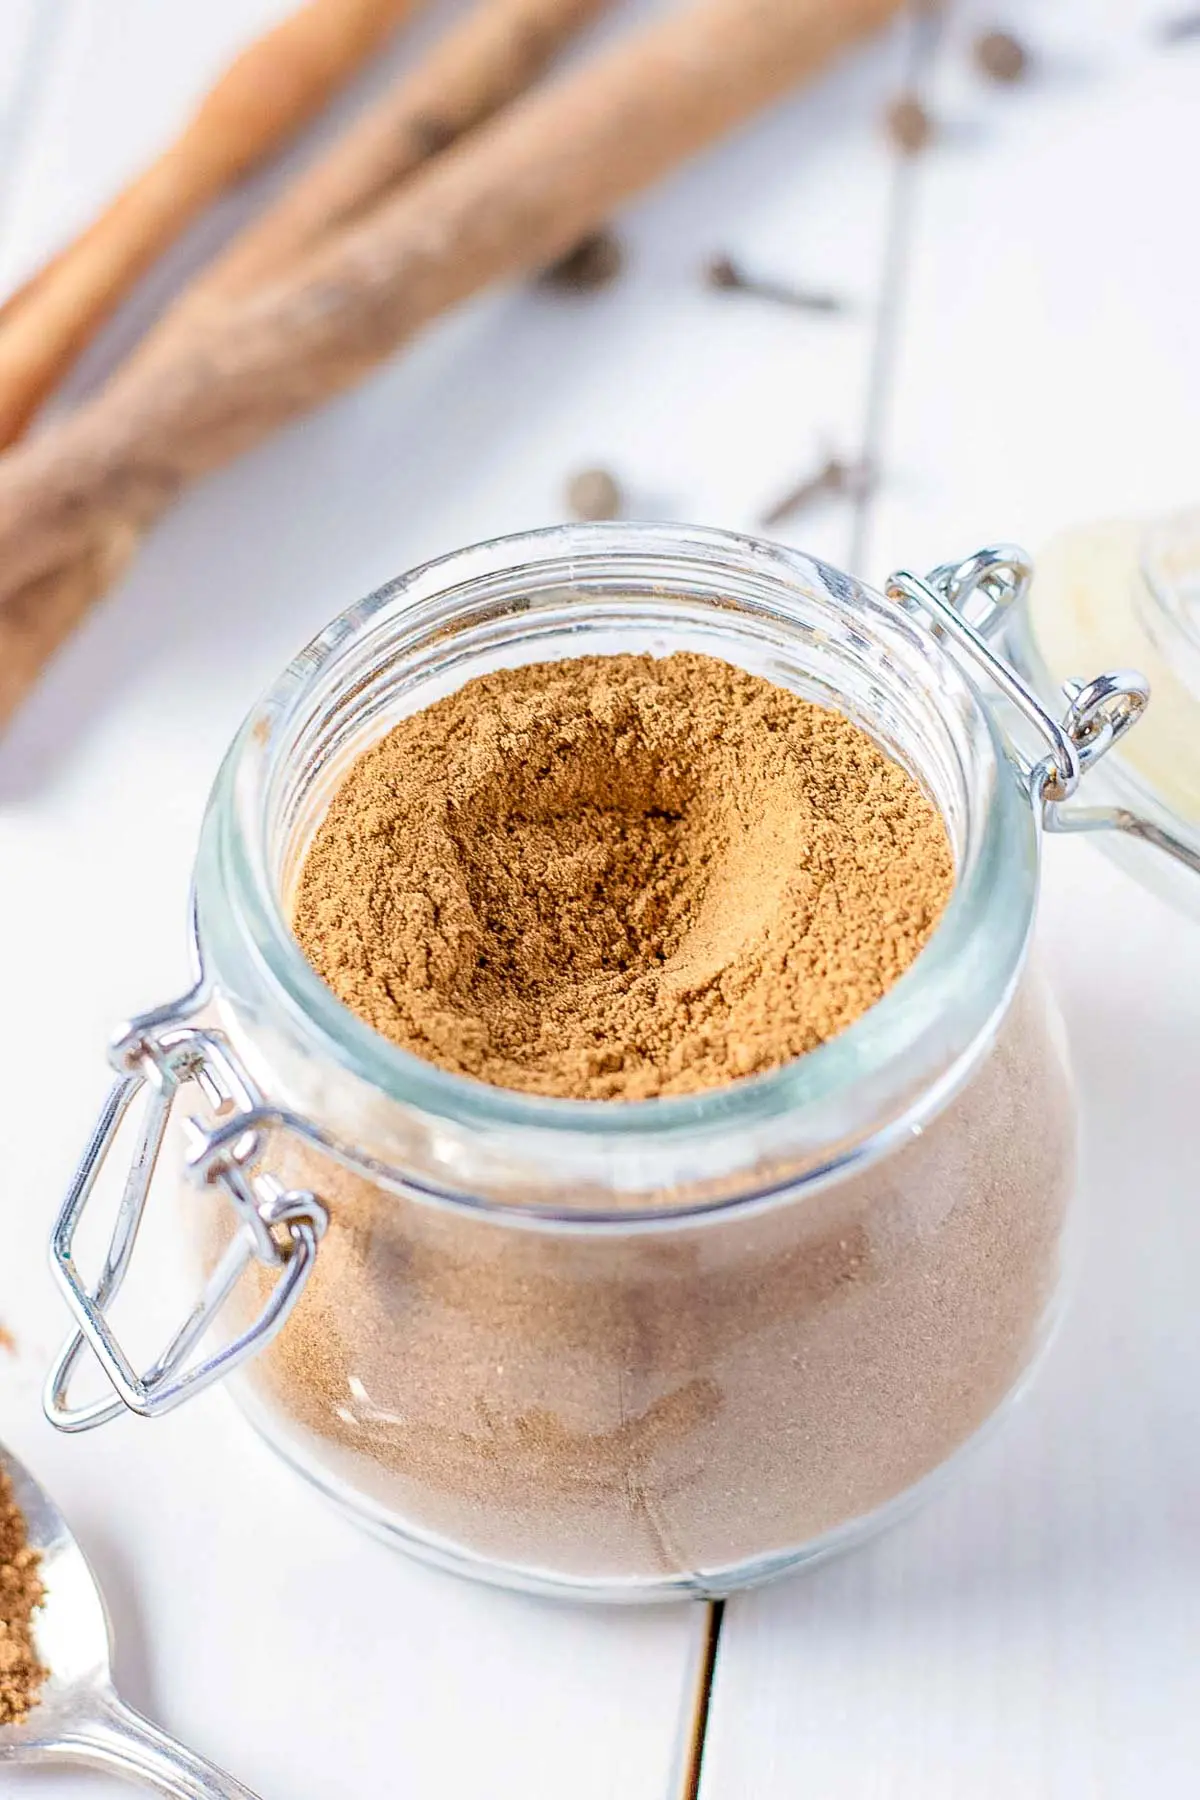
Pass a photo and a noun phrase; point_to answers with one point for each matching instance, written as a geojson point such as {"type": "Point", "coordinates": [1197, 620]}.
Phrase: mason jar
{"type": "Point", "coordinates": [622, 1350]}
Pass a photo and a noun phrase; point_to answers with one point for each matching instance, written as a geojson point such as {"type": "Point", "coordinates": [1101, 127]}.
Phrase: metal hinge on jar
{"type": "Point", "coordinates": [969, 603]}
{"type": "Point", "coordinates": [159, 1054]}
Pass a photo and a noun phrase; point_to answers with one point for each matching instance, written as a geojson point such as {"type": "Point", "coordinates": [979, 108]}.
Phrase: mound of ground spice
{"type": "Point", "coordinates": [615, 877]}
{"type": "Point", "coordinates": [21, 1674]}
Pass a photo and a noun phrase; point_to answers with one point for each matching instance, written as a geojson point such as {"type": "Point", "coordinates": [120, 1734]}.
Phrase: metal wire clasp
{"type": "Point", "coordinates": [969, 602]}
{"type": "Point", "coordinates": [162, 1052]}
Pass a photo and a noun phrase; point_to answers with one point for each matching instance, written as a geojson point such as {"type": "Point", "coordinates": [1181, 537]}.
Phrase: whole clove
{"type": "Point", "coordinates": [908, 125]}
{"type": "Point", "coordinates": [727, 276]}
{"type": "Point", "coordinates": [1001, 56]}
{"type": "Point", "coordinates": [846, 480]}
{"type": "Point", "coordinates": [595, 262]}
{"type": "Point", "coordinates": [594, 494]}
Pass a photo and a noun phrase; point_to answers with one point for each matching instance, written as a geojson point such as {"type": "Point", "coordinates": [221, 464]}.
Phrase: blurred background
{"type": "Point", "coordinates": [1008, 348]}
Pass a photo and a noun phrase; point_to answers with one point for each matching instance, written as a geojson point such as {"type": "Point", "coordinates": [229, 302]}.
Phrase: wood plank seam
{"type": "Point", "coordinates": [696, 1725]}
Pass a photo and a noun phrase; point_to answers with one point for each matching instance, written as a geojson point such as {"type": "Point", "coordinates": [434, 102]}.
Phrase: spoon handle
{"type": "Point", "coordinates": [115, 1738]}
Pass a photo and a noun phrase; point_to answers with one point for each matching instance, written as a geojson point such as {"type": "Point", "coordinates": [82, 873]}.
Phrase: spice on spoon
{"type": "Point", "coordinates": [728, 276]}
{"type": "Point", "coordinates": [21, 1673]}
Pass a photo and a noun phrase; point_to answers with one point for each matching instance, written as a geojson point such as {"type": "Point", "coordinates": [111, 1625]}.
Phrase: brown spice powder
{"type": "Point", "coordinates": [635, 1406]}
{"type": "Point", "coordinates": [616, 877]}
{"type": "Point", "coordinates": [21, 1674]}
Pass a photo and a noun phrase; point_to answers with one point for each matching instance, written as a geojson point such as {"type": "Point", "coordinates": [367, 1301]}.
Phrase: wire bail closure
{"type": "Point", "coordinates": [160, 1053]}
{"type": "Point", "coordinates": [969, 603]}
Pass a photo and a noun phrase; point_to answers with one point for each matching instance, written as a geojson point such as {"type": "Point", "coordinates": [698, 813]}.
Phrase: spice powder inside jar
{"type": "Point", "coordinates": [619, 877]}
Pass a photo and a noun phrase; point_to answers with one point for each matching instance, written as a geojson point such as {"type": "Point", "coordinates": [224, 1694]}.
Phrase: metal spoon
{"type": "Point", "coordinates": [79, 1718]}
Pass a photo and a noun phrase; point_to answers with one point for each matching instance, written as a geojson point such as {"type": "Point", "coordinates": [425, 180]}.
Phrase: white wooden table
{"type": "Point", "coordinates": [1021, 353]}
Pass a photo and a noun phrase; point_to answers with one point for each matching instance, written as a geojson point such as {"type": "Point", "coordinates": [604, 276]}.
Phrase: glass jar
{"type": "Point", "coordinates": [623, 1350]}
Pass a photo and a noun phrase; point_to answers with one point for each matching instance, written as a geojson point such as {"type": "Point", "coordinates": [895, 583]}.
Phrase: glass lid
{"type": "Point", "coordinates": [1127, 592]}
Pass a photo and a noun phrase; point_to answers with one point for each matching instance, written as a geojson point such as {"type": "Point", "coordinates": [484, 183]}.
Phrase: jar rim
{"type": "Point", "coordinates": [979, 943]}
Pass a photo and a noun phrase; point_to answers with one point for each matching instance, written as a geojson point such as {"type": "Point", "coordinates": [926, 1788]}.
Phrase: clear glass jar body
{"type": "Point", "coordinates": [629, 1350]}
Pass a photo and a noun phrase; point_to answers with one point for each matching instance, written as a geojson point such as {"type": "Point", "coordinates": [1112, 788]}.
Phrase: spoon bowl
{"type": "Point", "coordinates": [78, 1716]}
{"type": "Point", "coordinates": [71, 1627]}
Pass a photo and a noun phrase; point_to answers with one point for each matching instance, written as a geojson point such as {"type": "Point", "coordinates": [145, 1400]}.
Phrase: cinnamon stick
{"type": "Point", "coordinates": [510, 197]}
{"type": "Point", "coordinates": [492, 55]}
{"type": "Point", "coordinates": [263, 98]}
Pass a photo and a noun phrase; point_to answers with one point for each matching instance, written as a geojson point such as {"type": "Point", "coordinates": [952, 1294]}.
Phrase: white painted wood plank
{"type": "Point", "coordinates": [231, 1586]}
{"type": "Point", "coordinates": [1049, 369]}
{"type": "Point", "coordinates": [1037, 1630]}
